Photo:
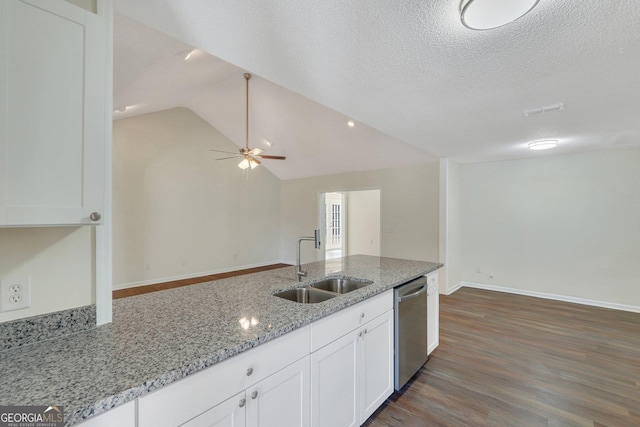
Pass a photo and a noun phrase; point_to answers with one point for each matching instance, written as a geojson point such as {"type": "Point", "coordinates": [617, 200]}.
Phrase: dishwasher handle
{"type": "Point", "coordinates": [419, 292]}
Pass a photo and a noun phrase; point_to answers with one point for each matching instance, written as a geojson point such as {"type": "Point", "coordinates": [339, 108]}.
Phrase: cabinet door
{"type": "Point", "coordinates": [334, 383]}
{"type": "Point", "coordinates": [433, 318]}
{"type": "Point", "coordinates": [376, 363]}
{"type": "Point", "coordinates": [230, 413]}
{"type": "Point", "coordinates": [52, 114]}
{"type": "Point", "coordinates": [281, 400]}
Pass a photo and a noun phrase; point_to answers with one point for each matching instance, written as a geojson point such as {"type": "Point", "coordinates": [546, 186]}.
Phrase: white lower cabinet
{"type": "Point", "coordinates": [433, 312]}
{"type": "Point", "coordinates": [353, 375]}
{"type": "Point", "coordinates": [334, 373]}
{"type": "Point", "coordinates": [268, 384]}
{"type": "Point", "coordinates": [334, 383]}
{"type": "Point", "coordinates": [230, 413]}
{"type": "Point", "coordinates": [281, 400]}
{"type": "Point", "coordinates": [376, 378]}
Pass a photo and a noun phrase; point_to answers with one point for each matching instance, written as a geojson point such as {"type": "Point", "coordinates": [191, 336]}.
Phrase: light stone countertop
{"type": "Point", "coordinates": [161, 337]}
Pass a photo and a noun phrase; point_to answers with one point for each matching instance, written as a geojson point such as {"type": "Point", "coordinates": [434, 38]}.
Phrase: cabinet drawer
{"type": "Point", "coordinates": [341, 323]}
{"type": "Point", "coordinates": [122, 416]}
{"type": "Point", "coordinates": [191, 396]}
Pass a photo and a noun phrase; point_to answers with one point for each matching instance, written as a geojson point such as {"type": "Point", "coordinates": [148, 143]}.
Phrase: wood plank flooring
{"type": "Point", "coordinates": [123, 293]}
{"type": "Point", "coordinates": [510, 360]}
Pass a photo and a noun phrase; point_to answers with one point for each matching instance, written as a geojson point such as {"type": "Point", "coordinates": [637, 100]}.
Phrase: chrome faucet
{"type": "Point", "coordinates": [316, 241]}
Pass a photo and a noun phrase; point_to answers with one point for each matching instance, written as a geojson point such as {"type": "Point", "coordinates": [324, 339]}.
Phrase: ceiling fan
{"type": "Point", "coordinates": [250, 156]}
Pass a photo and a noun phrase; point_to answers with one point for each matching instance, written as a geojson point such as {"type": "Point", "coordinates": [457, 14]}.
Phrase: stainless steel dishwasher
{"type": "Point", "coordinates": [410, 304]}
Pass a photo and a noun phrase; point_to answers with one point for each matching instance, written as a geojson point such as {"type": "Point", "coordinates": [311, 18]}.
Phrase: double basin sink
{"type": "Point", "coordinates": [323, 290]}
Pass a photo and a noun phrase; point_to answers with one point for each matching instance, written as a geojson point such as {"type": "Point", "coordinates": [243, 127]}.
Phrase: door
{"type": "Point", "coordinates": [334, 383]}
{"type": "Point", "coordinates": [53, 114]}
{"type": "Point", "coordinates": [230, 413]}
{"type": "Point", "coordinates": [376, 361]}
{"type": "Point", "coordinates": [282, 399]}
{"type": "Point", "coordinates": [335, 225]}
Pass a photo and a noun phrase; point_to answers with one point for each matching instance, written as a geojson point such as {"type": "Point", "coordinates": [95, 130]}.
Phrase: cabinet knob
{"type": "Point", "coordinates": [95, 216]}
{"type": "Point", "coordinates": [362, 315]}
{"type": "Point", "coordinates": [360, 334]}
{"type": "Point", "coordinates": [365, 330]}
{"type": "Point", "coordinates": [254, 394]}
{"type": "Point", "coordinates": [249, 372]}
{"type": "Point", "coordinates": [242, 402]}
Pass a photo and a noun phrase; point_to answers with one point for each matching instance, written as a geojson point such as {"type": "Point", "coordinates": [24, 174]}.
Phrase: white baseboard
{"type": "Point", "coordinates": [455, 288]}
{"type": "Point", "coordinates": [192, 275]}
{"type": "Point", "coordinates": [575, 300]}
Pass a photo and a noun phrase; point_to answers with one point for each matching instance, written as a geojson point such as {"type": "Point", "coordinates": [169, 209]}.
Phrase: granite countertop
{"type": "Point", "coordinates": [158, 338]}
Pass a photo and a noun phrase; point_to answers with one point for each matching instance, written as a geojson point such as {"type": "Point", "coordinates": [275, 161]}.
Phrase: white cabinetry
{"type": "Point", "coordinates": [433, 312]}
{"type": "Point", "coordinates": [279, 400]}
{"type": "Point", "coordinates": [266, 386]}
{"type": "Point", "coordinates": [53, 114]}
{"type": "Point", "coordinates": [122, 416]}
{"type": "Point", "coordinates": [352, 363]}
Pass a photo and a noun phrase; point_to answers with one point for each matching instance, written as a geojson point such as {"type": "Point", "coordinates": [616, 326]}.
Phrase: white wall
{"type": "Point", "coordinates": [409, 200]}
{"type": "Point", "coordinates": [180, 213]}
{"type": "Point", "coordinates": [60, 261]}
{"type": "Point", "coordinates": [363, 222]}
{"type": "Point", "coordinates": [567, 225]}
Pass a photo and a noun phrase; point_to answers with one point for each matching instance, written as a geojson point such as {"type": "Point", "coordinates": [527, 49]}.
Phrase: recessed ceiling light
{"type": "Point", "coordinates": [488, 14]}
{"type": "Point", "coordinates": [351, 123]}
{"type": "Point", "coordinates": [543, 145]}
{"type": "Point", "coordinates": [267, 143]}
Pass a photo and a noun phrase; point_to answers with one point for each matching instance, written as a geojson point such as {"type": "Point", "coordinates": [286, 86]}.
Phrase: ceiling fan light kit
{"type": "Point", "coordinates": [543, 145]}
{"type": "Point", "coordinates": [489, 14]}
{"type": "Point", "coordinates": [249, 155]}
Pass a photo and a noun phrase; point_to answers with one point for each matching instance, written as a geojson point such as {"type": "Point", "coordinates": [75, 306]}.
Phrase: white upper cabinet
{"type": "Point", "coordinates": [53, 114]}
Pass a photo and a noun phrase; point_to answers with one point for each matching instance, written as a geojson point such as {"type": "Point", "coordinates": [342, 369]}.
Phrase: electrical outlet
{"type": "Point", "coordinates": [15, 293]}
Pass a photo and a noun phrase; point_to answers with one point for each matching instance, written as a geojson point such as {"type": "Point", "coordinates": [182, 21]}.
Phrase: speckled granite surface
{"type": "Point", "coordinates": [46, 326]}
{"type": "Point", "coordinates": [158, 338]}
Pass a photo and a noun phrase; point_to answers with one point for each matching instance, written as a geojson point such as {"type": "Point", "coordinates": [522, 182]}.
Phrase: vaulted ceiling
{"type": "Point", "coordinates": [418, 84]}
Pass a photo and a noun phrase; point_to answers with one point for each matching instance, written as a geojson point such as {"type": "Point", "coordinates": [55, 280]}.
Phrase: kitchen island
{"type": "Point", "coordinates": [159, 338]}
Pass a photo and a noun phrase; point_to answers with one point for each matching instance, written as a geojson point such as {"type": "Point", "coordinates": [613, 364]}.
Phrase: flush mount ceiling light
{"type": "Point", "coordinates": [543, 145]}
{"type": "Point", "coordinates": [488, 14]}
{"type": "Point", "coordinates": [351, 123]}
{"type": "Point", "coordinates": [249, 155]}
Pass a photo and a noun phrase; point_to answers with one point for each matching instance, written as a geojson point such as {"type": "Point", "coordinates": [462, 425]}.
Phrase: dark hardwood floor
{"type": "Point", "coordinates": [510, 360]}
{"type": "Point", "coordinates": [123, 293]}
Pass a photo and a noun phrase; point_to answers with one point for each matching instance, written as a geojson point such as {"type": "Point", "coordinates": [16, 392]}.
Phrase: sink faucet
{"type": "Point", "coordinates": [316, 241]}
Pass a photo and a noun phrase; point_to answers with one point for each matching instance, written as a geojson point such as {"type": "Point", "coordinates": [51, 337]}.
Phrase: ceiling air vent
{"type": "Point", "coordinates": [543, 110]}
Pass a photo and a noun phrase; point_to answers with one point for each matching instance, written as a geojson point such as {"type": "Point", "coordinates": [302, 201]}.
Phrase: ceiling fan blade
{"type": "Point", "coordinates": [266, 156]}
{"type": "Point", "coordinates": [256, 151]}
{"type": "Point", "coordinates": [220, 151]}
{"type": "Point", "coordinates": [230, 157]}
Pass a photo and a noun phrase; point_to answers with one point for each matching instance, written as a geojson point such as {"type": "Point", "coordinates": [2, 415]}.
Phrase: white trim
{"type": "Point", "coordinates": [455, 288]}
{"type": "Point", "coordinates": [575, 300]}
{"type": "Point", "coordinates": [443, 241]}
{"type": "Point", "coordinates": [200, 274]}
{"type": "Point", "coordinates": [104, 232]}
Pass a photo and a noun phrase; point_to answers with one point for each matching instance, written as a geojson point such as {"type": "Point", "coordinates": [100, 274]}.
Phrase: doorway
{"type": "Point", "coordinates": [350, 223]}
{"type": "Point", "coordinates": [335, 225]}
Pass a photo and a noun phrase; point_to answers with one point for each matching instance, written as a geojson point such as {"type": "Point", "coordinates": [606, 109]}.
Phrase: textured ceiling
{"type": "Point", "coordinates": [407, 68]}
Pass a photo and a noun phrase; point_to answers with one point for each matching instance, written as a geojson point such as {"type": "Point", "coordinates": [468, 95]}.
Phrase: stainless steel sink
{"type": "Point", "coordinates": [340, 286]}
{"type": "Point", "coordinates": [306, 295]}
